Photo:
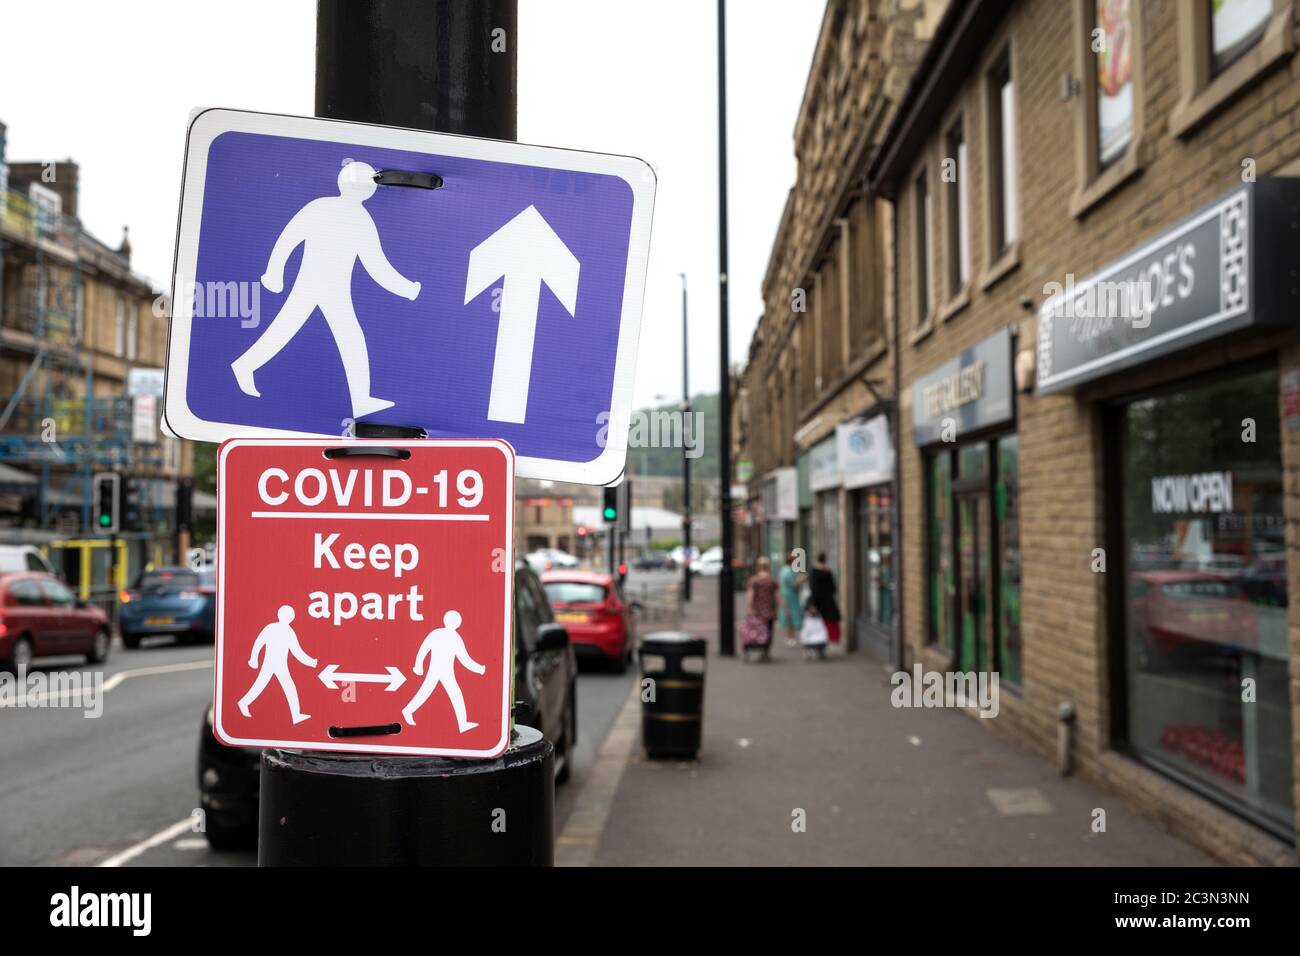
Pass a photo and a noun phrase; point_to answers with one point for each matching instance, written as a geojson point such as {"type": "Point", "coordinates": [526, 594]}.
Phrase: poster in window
{"type": "Point", "coordinates": [1113, 43]}
{"type": "Point", "coordinates": [1236, 26]}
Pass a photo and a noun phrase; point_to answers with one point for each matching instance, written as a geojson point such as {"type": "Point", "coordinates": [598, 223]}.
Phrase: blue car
{"type": "Point", "coordinates": [169, 601]}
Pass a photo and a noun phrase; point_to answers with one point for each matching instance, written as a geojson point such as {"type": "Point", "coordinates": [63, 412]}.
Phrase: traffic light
{"type": "Point", "coordinates": [132, 518]}
{"type": "Point", "coordinates": [108, 497]}
{"type": "Point", "coordinates": [610, 512]}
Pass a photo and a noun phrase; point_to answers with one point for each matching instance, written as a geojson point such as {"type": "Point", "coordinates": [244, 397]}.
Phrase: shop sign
{"type": "Point", "coordinates": [780, 495]}
{"type": "Point", "coordinates": [1207, 493]}
{"type": "Point", "coordinates": [824, 465]}
{"type": "Point", "coordinates": [866, 452]}
{"type": "Point", "coordinates": [1195, 281]}
{"type": "Point", "coordinates": [970, 392]}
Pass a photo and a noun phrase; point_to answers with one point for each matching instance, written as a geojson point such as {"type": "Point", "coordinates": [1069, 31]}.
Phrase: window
{"type": "Point", "coordinates": [574, 592]}
{"type": "Point", "coordinates": [1204, 592]}
{"type": "Point", "coordinates": [25, 593]}
{"type": "Point", "coordinates": [1235, 27]}
{"type": "Point", "coordinates": [942, 582]}
{"type": "Point", "coordinates": [1108, 114]}
{"type": "Point", "coordinates": [132, 335]}
{"type": "Point", "coordinates": [1003, 211]}
{"type": "Point", "coordinates": [1224, 46]}
{"type": "Point", "coordinates": [1006, 509]}
{"type": "Point", "coordinates": [830, 315]}
{"type": "Point", "coordinates": [921, 206]}
{"type": "Point", "coordinates": [958, 214]}
{"type": "Point", "coordinates": [58, 595]}
{"type": "Point", "coordinates": [119, 328]}
{"type": "Point", "coordinates": [1113, 51]}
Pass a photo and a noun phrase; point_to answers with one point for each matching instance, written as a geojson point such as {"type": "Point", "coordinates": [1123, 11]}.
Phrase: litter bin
{"type": "Point", "coordinates": [672, 708]}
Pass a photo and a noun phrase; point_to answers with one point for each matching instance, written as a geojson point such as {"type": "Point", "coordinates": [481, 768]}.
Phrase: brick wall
{"type": "Point", "coordinates": [1063, 509]}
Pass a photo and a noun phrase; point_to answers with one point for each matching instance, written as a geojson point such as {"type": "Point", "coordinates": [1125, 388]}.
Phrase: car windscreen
{"type": "Point", "coordinates": [574, 592]}
{"type": "Point", "coordinates": [178, 580]}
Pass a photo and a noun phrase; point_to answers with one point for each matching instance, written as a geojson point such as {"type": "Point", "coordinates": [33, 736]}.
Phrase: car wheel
{"type": "Point", "coordinates": [131, 641]}
{"type": "Point", "coordinates": [98, 652]}
{"type": "Point", "coordinates": [223, 837]}
{"type": "Point", "coordinates": [20, 659]}
{"type": "Point", "coordinates": [570, 737]}
{"type": "Point", "coordinates": [624, 658]}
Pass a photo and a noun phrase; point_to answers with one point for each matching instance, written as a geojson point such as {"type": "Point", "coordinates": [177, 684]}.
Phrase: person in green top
{"type": "Point", "coordinates": [791, 608]}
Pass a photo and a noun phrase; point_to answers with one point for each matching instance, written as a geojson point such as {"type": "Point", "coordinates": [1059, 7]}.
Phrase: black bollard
{"type": "Point", "coordinates": [338, 809]}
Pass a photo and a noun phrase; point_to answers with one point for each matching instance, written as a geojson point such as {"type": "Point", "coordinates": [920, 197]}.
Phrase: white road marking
{"type": "Point", "coordinates": [131, 852]}
{"type": "Point", "coordinates": [110, 683]}
{"type": "Point", "coordinates": [191, 843]}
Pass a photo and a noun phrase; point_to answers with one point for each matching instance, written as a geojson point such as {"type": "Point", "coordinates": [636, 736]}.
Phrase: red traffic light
{"type": "Point", "coordinates": [622, 570]}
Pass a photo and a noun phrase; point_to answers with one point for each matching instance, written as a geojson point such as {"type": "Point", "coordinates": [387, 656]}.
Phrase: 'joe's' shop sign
{"type": "Point", "coordinates": [1227, 266]}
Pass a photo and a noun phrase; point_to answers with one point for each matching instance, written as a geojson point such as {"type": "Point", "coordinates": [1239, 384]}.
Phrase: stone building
{"type": "Point", "coordinates": [82, 345]}
{"type": "Point", "coordinates": [814, 423]}
{"type": "Point", "coordinates": [1099, 392]}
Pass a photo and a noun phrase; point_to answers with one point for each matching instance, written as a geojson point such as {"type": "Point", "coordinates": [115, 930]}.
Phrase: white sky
{"type": "Point", "coordinates": [620, 76]}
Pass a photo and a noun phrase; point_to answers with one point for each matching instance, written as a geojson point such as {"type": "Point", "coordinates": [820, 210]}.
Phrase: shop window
{"type": "Point", "coordinates": [941, 563]}
{"type": "Point", "coordinates": [1224, 46]}
{"type": "Point", "coordinates": [1204, 603]}
{"type": "Point", "coordinates": [1006, 506]}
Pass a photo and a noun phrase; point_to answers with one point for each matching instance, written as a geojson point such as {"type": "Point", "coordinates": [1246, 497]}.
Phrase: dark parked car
{"type": "Point", "coordinates": [40, 617]}
{"type": "Point", "coordinates": [176, 601]}
{"type": "Point", "coordinates": [546, 674]}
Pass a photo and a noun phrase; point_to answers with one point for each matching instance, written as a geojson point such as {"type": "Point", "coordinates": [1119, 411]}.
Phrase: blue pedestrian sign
{"type": "Point", "coordinates": [329, 273]}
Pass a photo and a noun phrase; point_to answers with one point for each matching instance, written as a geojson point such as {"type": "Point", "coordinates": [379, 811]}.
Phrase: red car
{"type": "Point", "coordinates": [1178, 610]}
{"type": "Point", "coordinates": [593, 611]}
{"type": "Point", "coordinates": [40, 617]}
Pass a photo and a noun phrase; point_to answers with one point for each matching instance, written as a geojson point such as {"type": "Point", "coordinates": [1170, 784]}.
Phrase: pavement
{"type": "Point", "coordinates": [808, 763]}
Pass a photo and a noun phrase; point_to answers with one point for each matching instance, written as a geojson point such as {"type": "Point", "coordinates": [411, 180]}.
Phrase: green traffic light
{"type": "Point", "coordinates": [105, 521]}
{"type": "Point", "coordinates": [610, 514]}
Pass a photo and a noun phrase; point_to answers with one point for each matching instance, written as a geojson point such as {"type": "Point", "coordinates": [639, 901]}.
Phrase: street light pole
{"type": "Point", "coordinates": [686, 457]}
{"type": "Point", "coordinates": [448, 66]}
{"type": "Point", "coordinates": [726, 590]}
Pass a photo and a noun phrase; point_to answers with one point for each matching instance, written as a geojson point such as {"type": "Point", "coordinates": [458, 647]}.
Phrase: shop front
{"type": "Point", "coordinates": [963, 421]}
{"type": "Point", "coordinates": [824, 481]}
{"type": "Point", "coordinates": [780, 512]}
{"type": "Point", "coordinates": [866, 456]}
{"type": "Point", "coordinates": [1199, 666]}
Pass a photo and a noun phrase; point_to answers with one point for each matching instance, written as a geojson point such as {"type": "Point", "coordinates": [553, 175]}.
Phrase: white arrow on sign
{"type": "Point", "coordinates": [331, 678]}
{"type": "Point", "coordinates": [526, 252]}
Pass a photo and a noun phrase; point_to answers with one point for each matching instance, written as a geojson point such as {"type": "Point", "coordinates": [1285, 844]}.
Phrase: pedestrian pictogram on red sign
{"type": "Point", "coordinates": [364, 595]}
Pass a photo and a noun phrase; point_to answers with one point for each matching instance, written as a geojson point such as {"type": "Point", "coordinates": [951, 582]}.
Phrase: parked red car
{"type": "Point", "coordinates": [593, 611]}
{"type": "Point", "coordinates": [41, 617]}
{"type": "Point", "coordinates": [1178, 610]}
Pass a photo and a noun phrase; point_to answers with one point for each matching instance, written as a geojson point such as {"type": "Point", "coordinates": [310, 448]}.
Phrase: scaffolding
{"type": "Point", "coordinates": [53, 422]}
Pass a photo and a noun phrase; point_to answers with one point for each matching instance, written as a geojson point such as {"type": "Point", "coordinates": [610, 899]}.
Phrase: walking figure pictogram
{"type": "Point", "coordinates": [276, 642]}
{"type": "Point", "coordinates": [443, 647]}
{"type": "Point", "coordinates": [334, 231]}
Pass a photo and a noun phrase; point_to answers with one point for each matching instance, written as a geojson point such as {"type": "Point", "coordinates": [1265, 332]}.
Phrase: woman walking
{"type": "Point", "coordinates": [791, 610]}
{"type": "Point", "coordinates": [763, 601]}
{"type": "Point", "coordinates": [821, 585]}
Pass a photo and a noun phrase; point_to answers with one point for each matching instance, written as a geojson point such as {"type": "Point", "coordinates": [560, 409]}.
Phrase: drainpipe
{"type": "Point", "coordinates": [900, 653]}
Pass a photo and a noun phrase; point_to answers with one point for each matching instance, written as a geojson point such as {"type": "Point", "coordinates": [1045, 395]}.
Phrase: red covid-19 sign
{"type": "Point", "coordinates": [364, 595]}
